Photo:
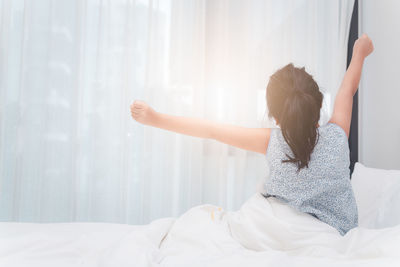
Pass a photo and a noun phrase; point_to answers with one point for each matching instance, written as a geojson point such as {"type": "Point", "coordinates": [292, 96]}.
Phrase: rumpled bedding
{"type": "Point", "coordinates": [263, 232]}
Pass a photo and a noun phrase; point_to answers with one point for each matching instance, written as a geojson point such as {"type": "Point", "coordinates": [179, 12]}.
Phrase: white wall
{"type": "Point", "coordinates": [379, 115]}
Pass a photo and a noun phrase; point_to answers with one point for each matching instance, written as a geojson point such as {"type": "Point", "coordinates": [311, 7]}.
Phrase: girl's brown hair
{"type": "Point", "coordinates": [294, 100]}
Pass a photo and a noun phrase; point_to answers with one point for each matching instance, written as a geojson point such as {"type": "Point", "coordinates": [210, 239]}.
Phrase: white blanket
{"type": "Point", "coordinates": [264, 232]}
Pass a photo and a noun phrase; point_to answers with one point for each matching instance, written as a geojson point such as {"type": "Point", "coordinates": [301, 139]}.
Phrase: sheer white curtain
{"type": "Point", "coordinates": [69, 150]}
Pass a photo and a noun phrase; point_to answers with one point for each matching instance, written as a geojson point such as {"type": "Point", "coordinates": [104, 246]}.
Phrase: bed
{"type": "Point", "coordinates": [263, 232]}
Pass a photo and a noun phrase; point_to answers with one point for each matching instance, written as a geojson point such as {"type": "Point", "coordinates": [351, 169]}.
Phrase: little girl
{"type": "Point", "coordinates": [308, 163]}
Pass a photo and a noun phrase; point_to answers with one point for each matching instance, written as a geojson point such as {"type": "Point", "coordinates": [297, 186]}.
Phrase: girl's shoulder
{"type": "Point", "coordinates": [334, 127]}
{"type": "Point", "coordinates": [328, 133]}
{"type": "Point", "coordinates": [333, 131]}
{"type": "Point", "coordinates": [329, 127]}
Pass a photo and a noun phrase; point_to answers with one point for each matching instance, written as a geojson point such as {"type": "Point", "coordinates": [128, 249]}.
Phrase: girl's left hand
{"type": "Point", "coordinates": [142, 112]}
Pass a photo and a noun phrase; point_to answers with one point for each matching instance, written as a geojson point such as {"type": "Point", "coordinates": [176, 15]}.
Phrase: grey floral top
{"type": "Point", "coordinates": [323, 189]}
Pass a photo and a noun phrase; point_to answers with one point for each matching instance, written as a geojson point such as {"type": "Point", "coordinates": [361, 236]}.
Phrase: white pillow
{"type": "Point", "coordinates": [377, 194]}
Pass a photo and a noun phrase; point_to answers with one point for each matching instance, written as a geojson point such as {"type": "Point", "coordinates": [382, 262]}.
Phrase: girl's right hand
{"type": "Point", "coordinates": [363, 46]}
{"type": "Point", "coordinates": [142, 112]}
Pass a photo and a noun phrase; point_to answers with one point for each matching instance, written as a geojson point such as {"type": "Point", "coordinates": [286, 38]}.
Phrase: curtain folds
{"type": "Point", "coordinates": [69, 70]}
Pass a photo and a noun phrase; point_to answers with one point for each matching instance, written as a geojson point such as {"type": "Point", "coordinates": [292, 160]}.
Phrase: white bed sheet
{"type": "Point", "coordinates": [263, 232]}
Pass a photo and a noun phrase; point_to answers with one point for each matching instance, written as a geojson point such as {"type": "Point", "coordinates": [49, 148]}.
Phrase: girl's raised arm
{"type": "Point", "coordinates": [344, 98]}
{"type": "Point", "coordinates": [252, 139]}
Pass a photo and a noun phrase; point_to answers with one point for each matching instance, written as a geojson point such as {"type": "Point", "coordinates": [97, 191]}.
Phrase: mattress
{"type": "Point", "coordinates": [263, 232]}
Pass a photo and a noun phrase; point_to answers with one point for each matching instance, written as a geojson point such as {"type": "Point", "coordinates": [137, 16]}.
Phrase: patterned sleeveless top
{"type": "Point", "coordinates": [323, 189]}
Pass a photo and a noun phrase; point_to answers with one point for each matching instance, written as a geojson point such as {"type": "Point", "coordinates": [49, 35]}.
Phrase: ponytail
{"type": "Point", "coordinates": [295, 101]}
